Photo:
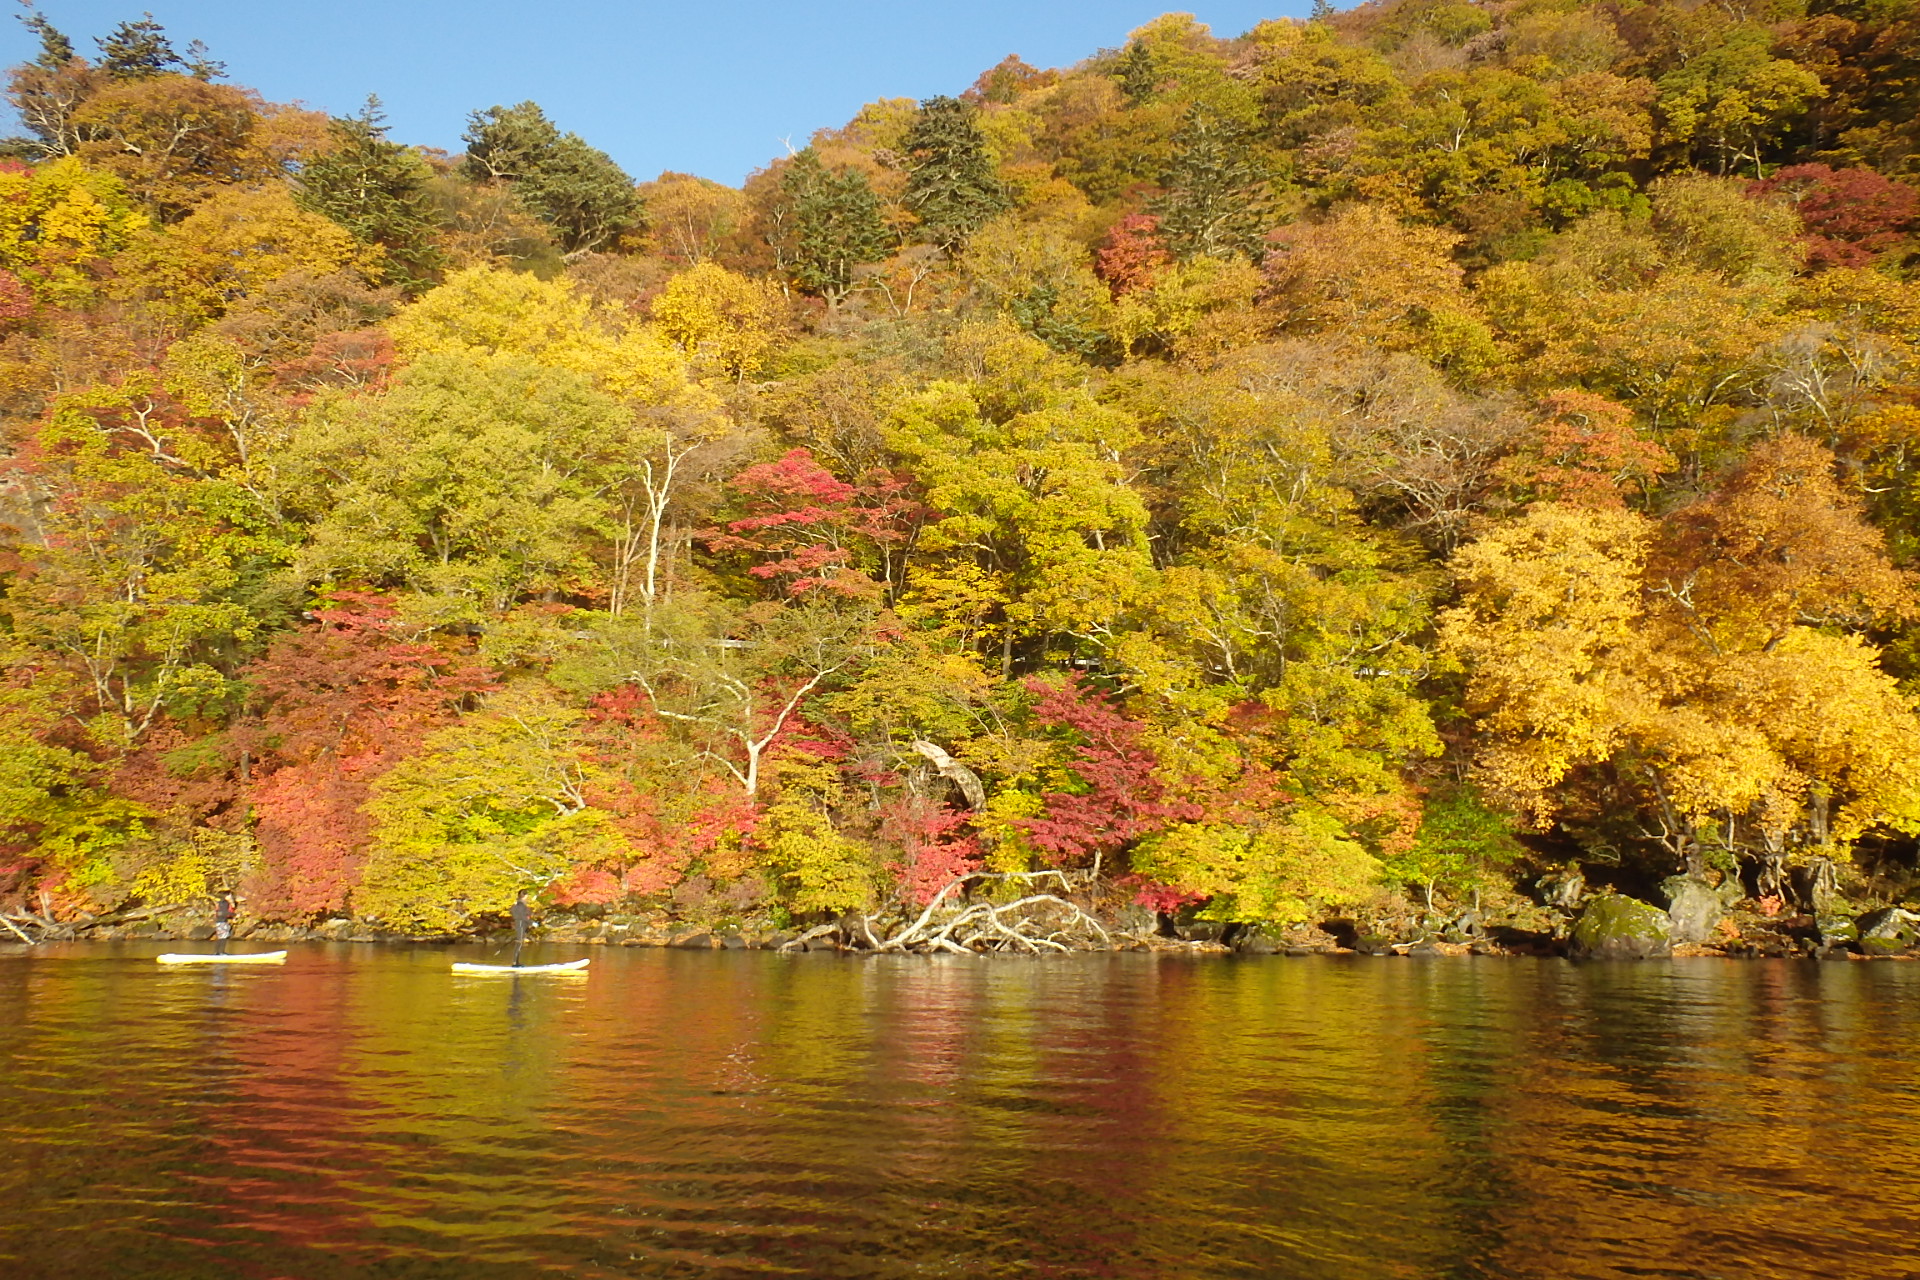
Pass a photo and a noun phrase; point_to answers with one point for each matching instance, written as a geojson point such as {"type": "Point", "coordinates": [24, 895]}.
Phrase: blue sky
{"type": "Point", "coordinates": [701, 86]}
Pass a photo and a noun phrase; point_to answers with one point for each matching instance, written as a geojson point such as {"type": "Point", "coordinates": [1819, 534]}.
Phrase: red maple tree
{"type": "Point", "coordinates": [1132, 255]}
{"type": "Point", "coordinates": [1122, 796]}
{"type": "Point", "coordinates": [1851, 216]}
{"type": "Point", "coordinates": [803, 525]}
{"type": "Point", "coordinates": [341, 702]}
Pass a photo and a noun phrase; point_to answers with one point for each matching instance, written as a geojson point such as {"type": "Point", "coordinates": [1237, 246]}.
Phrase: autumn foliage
{"type": "Point", "coordinates": [1363, 460]}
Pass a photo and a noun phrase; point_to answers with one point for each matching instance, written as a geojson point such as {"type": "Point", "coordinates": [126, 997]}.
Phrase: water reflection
{"type": "Point", "coordinates": [359, 1111]}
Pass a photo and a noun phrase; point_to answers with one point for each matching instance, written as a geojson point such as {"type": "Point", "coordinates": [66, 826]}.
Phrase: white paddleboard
{"type": "Point", "coordinates": [569, 966]}
{"type": "Point", "coordinates": [195, 957]}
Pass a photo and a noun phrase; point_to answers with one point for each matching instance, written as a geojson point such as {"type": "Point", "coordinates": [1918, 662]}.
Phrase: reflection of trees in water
{"type": "Point", "coordinates": [1124, 1116]}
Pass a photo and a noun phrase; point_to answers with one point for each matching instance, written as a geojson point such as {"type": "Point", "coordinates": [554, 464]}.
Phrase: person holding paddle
{"type": "Point", "coordinates": [522, 914]}
{"type": "Point", "coordinates": [225, 908]}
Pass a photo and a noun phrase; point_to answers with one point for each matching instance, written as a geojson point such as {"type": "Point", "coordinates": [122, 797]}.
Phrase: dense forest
{"type": "Point", "coordinates": [1372, 463]}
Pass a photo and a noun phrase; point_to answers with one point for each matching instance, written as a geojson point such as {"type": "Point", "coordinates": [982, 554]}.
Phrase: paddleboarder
{"type": "Point", "coordinates": [225, 908]}
{"type": "Point", "coordinates": [522, 915]}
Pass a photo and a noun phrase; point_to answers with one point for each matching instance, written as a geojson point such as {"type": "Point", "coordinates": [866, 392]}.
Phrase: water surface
{"type": "Point", "coordinates": [360, 1112]}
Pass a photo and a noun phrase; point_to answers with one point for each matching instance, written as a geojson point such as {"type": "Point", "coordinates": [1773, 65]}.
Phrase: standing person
{"type": "Point", "coordinates": [225, 908]}
{"type": "Point", "coordinates": [522, 915]}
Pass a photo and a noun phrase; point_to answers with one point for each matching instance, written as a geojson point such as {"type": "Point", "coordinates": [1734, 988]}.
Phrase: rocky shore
{"type": "Point", "coordinates": [1699, 920]}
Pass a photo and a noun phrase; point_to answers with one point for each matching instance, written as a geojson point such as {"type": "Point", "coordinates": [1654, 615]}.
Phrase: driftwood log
{"type": "Point", "coordinates": [957, 923]}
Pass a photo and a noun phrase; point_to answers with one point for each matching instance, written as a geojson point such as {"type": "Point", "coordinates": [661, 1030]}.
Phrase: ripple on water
{"type": "Point", "coordinates": [360, 1112]}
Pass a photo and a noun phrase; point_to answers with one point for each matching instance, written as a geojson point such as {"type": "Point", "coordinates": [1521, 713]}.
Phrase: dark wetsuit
{"type": "Point", "coordinates": [522, 920]}
{"type": "Point", "coordinates": [223, 913]}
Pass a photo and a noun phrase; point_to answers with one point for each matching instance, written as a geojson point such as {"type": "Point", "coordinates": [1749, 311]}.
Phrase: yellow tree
{"type": "Point", "coordinates": [1549, 631]}
{"type": "Point", "coordinates": [173, 138]}
{"type": "Point", "coordinates": [1696, 675]}
{"type": "Point", "coordinates": [231, 247]}
{"type": "Point", "coordinates": [1365, 275]}
{"type": "Point", "coordinates": [56, 221]}
{"type": "Point", "coordinates": [721, 317]}
{"type": "Point", "coordinates": [688, 217]}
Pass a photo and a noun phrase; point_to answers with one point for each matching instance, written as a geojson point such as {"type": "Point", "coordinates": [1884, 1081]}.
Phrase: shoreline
{"type": "Point", "coordinates": [1604, 925]}
{"type": "Point", "coordinates": [695, 938]}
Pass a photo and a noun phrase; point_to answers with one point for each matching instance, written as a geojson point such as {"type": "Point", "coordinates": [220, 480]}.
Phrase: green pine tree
{"type": "Point", "coordinates": [56, 51]}
{"type": "Point", "coordinates": [1215, 191]}
{"type": "Point", "coordinates": [1137, 74]}
{"type": "Point", "coordinates": [377, 189]}
{"type": "Point", "coordinates": [832, 225]}
{"type": "Point", "coordinates": [138, 49]}
{"type": "Point", "coordinates": [951, 186]}
{"type": "Point", "coordinates": [576, 189]}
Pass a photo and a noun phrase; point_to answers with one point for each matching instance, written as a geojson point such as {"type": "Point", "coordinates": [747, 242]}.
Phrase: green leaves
{"type": "Point", "coordinates": [1218, 198]}
{"type": "Point", "coordinates": [1277, 873]}
{"type": "Point", "coordinates": [1036, 498]}
{"type": "Point", "coordinates": [377, 189]}
{"type": "Point", "coordinates": [576, 189]}
{"type": "Point", "coordinates": [491, 805]}
{"type": "Point", "coordinates": [951, 185]}
{"type": "Point", "coordinates": [476, 485]}
{"type": "Point", "coordinates": [831, 225]}
{"type": "Point", "coordinates": [1728, 103]}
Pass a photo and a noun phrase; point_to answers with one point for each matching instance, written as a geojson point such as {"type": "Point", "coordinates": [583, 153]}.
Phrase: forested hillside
{"type": "Point", "coordinates": [1384, 457]}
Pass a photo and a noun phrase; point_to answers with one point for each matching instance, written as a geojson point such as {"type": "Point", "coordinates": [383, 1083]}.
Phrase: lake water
{"type": "Point", "coordinates": [360, 1112]}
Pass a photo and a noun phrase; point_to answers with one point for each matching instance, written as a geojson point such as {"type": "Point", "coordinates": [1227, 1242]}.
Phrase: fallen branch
{"type": "Point", "coordinates": [820, 931]}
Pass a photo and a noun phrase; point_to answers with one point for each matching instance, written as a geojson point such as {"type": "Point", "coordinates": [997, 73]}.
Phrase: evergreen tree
{"type": "Point", "coordinates": [1137, 74]}
{"type": "Point", "coordinates": [46, 93]}
{"type": "Point", "coordinates": [200, 66]}
{"type": "Point", "coordinates": [1214, 203]}
{"type": "Point", "coordinates": [832, 225]}
{"type": "Point", "coordinates": [377, 189]}
{"type": "Point", "coordinates": [56, 51]}
{"type": "Point", "coordinates": [952, 185]}
{"type": "Point", "coordinates": [136, 50]}
{"type": "Point", "coordinates": [576, 189]}
{"type": "Point", "coordinates": [1322, 10]}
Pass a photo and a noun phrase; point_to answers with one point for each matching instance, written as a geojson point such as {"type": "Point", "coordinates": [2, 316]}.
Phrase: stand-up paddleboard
{"type": "Point", "coordinates": [568, 966]}
{"type": "Point", "coordinates": [196, 957]}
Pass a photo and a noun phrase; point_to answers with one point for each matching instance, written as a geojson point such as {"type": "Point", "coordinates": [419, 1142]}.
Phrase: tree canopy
{"type": "Point", "coordinates": [1383, 457]}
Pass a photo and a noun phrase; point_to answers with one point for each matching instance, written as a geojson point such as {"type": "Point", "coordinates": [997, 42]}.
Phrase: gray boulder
{"type": "Point", "coordinates": [1562, 889]}
{"type": "Point", "coordinates": [1694, 908]}
{"type": "Point", "coordinates": [1616, 927]}
{"type": "Point", "coordinates": [1836, 931]}
{"type": "Point", "coordinates": [1887, 931]}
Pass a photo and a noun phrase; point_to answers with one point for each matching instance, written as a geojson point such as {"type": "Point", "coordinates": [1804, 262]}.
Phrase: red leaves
{"type": "Point", "coordinates": [1132, 255]}
{"type": "Point", "coordinates": [1123, 798]}
{"type": "Point", "coordinates": [805, 525]}
{"type": "Point", "coordinates": [16, 302]}
{"type": "Point", "coordinates": [666, 818]}
{"type": "Point", "coordinates": [938, 845]}
{"type": "Point", "coordinates": [352, 686]}
{"type": "Point", "coordinates": [1155, 896]}
{"type": "Point", "coordinates": [345, 700]}
{"type": "Point", "coordinates": [1587, 454]}
{"type": "Point", "coordinates": [361, 359]}
{"type": "Point", "coordinates": [312, 835]}
{"type": "Point", "coordinates": [1850, 215]}
{"type": "Point", "coordinates": [586, 884]}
